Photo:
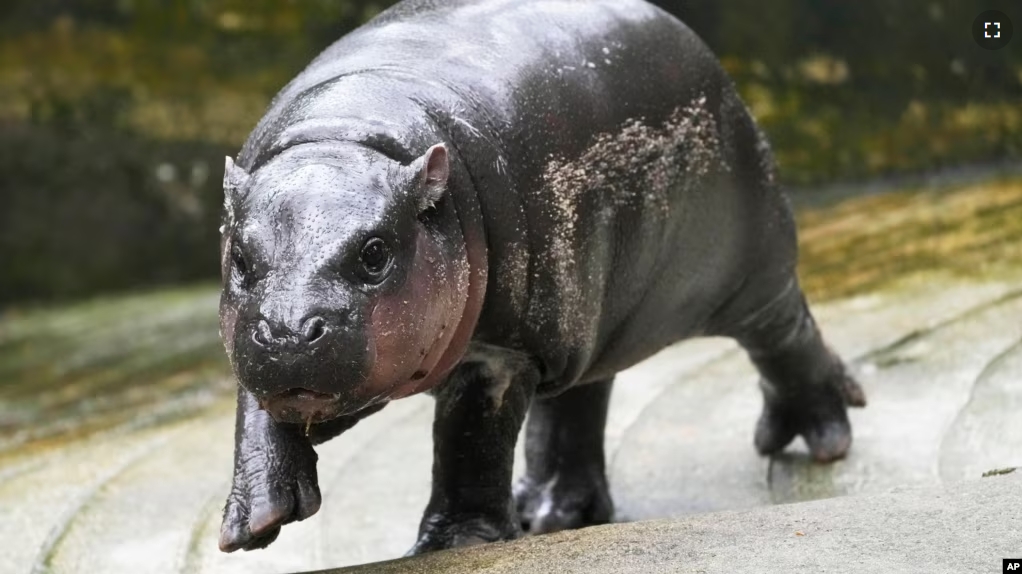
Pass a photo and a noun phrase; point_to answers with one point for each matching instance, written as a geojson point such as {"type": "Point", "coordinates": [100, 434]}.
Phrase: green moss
{"type": "Point", "coordinates": [78, 368]}
{"type": "Point", "coordinates": [863, 243]}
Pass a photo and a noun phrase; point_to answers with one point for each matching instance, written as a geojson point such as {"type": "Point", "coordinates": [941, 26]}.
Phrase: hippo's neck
{"type": "Point", "coordinates": [461, 188]}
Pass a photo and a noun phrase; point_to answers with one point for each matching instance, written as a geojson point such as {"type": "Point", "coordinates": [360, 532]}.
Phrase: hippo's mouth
{"type": "Point", "coordinates": [302, 406]}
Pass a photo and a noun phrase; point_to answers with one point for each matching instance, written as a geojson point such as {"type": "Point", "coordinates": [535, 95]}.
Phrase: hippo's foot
{"type": "Point", "coordinates": [439, 533]}
{"type": "Point", "coordinates": [818, 415]}
{"type": "Point", "coordinates": [267, 494]}
{"type": "Point", "coordinates": [568, 501]}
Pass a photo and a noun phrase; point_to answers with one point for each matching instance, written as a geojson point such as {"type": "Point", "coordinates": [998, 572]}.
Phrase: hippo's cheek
{"type": "Point", "coordinates": [409, 330]}
{"type": "Point", "coordinates": [398, 340]}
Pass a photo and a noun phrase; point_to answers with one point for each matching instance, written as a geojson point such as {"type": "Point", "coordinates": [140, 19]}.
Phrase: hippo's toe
{"type": "Point", "coordinates": [266, 496]}
{"type": "Point", "coordinates": [235, 533]}
{"type": "Point", "coordinates": [440, 532]}
{"type": "Point", "coordinates": [820, 417]}
{"type": "Point", "coordinates": [563, 502]}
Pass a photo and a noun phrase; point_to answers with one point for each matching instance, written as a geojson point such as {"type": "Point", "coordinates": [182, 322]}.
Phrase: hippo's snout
{"type": "Point", "coordinates": [282, 340]}
{"type": "Point", "coordinates": [302, 364]}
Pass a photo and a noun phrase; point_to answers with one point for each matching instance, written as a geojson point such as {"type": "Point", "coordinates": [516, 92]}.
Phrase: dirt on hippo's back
{"type": "Point", "coordinates": [639, 167]}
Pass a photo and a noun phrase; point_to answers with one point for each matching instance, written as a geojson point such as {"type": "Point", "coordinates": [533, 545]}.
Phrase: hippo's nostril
{"type": "Point", "coordinates": [262, 335]}
{"type": "Point", "coordinates": [314, 329]}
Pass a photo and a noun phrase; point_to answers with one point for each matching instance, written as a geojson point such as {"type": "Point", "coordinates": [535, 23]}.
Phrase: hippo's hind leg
{"type": "Point", "coordinates": [565, 484]}
{"type": "Point", "coordinates": [806, 386]}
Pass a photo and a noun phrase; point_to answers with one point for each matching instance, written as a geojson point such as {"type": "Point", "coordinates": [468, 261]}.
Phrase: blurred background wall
{"type": "Point", "coordinates": [115, 115]}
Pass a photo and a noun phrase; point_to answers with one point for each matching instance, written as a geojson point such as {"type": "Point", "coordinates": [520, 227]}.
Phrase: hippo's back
{"type": "Point", "coordinates": [488, 52]}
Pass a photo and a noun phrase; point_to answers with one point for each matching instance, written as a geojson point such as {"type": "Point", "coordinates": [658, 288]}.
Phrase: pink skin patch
{"type": "Point", "coordinates": [474, 265]}
{"type": "Point", "coordinates": [410, 330]}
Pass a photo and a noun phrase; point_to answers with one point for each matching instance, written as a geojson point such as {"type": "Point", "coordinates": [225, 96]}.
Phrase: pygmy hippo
{"type": "Point", "coordinates": [502, 203]}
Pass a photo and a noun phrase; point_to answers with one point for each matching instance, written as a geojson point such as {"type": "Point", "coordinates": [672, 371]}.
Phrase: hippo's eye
{"type": "Point", "coordinates": [238, 259]}
{"type": "Point", "coordinates": [375, 257]}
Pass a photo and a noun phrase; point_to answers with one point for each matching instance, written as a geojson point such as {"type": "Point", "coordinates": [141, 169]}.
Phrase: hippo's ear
{"type": "Point", "coordinates": [433, 168]}
{"type": "Point", "coordinates": [234, 179]}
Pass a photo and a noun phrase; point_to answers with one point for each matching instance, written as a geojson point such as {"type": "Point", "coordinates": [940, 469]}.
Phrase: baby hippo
{"type": "Point", "coordinates": [502, 203]}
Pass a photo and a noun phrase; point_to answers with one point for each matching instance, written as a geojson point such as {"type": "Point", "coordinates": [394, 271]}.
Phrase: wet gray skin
{"type": "Point", "coordinates": [504, 204]}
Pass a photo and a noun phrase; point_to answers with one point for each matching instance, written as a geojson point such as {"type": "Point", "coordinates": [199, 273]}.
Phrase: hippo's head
{"type": "Point", "coordinates": [345, 277]}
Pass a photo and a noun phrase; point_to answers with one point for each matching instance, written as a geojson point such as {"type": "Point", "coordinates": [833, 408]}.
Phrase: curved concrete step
{"type": "Point", "coordinates": [987, 433]}
{"type": "Point", "coordinates": [690, 450]}
{"type": "Point", "coordinates": [148, 499]}
{"type": "Point", "coordinates": [967, 527]}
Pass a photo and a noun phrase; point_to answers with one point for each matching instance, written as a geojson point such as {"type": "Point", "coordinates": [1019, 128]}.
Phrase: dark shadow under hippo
{"type": "Point", "coordinates": [502, 203]}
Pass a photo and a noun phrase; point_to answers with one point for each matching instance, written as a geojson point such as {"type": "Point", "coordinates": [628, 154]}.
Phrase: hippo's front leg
{"type": "Point", "coordinates": [274, 478]}
{"type": "Point", "coordinates": [479, 411]}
